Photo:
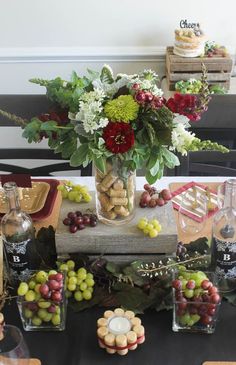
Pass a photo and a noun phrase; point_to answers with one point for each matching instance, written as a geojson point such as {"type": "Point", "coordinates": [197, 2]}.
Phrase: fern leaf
{"type": "Point", "coordinates": [107, 75]}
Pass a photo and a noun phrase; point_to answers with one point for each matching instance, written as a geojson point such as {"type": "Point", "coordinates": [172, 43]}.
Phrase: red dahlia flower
{"type": "Point", "coordinates": [184, 105]}
{"type": "Point", "coordinates": [119, 137]}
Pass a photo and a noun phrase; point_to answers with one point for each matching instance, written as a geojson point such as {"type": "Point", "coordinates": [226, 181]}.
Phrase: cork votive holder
{"type": "Point", "coordinates": [119, 331]}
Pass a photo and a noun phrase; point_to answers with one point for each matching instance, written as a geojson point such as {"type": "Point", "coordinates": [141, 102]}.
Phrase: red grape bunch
{"type": "Point", "coordinates": [152, 198]}
{"type": "Point", "coordinates": [78, 221]}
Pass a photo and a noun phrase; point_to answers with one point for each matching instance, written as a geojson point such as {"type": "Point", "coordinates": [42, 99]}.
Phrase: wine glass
{"type": "Point", "coordinates": [193, 211]}
{"type": "Point", "coordinates": [220, 195]}
{"type": "Point", "coordinates": [13, 349]}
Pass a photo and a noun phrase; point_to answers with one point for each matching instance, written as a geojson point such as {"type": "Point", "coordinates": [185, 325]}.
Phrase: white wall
{"type": "Point", "coordinates": [109, 23]}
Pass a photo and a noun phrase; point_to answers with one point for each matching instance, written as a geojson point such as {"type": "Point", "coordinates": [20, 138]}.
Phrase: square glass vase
{"type": "Point", "coordinates": [43, 314]}
{"type": "Point", "coordinates": [199, 313]}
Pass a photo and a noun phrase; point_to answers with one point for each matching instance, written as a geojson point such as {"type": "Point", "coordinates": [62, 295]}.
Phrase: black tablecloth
{"type": "Point", "coordinates": [78, 344]}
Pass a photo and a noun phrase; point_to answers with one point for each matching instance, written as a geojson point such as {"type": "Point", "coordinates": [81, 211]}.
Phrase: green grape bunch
{"type": "Point", "coordinates": [193, 86]}
{"type": "Point", "coordinates": [79, 283]}
{"type": "Point", "coordinates": [74, 192]}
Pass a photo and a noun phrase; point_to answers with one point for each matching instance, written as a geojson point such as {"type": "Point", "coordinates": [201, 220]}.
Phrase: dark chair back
{"type": "Point", "coordinates": [208, 163]}
{"type": "Point", "coordinates": [27, 106]}
{"type": "Point", "coordinates": [37, 155]}
{"type": "Point", "coordinates": [219, 125]}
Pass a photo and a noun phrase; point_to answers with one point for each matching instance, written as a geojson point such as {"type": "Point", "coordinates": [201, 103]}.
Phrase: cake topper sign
{"type": "Point", "coordinates": [185, 24]}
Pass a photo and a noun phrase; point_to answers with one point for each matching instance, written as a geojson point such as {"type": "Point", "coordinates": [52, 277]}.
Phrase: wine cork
{"type": "Point", "coordinates": [101, 188]}
{"type": "Point", "coordinates": [132, 338]}
{"type": "Point", "coordinates": [105, 202]}
{"type": "Point", "coordinates": [118, 185]}
{"type": "Point", "coordinates": [101, 333]}
{"type": "Point", "coordinates": [121, 341]}
{"type": "Point", "coordinates": [110, 341]}
{"type": "Point", "coordinates": [129, 314]}
{"type": "Point", "coordinates": [118, 201]}
{"type": "Point", "coordinates": [119, 312]}
{"type": "Point", "coordinates": [108, 314]}
{"type": "Point", "coordinates": [109, 180]}
{"type": "Point", "coordinates": [102, 322]}
{"type": "Point", "coordinates": [121, 210]}
{"type": "Point", "coordinates": [136, 321]}
{"type": "Point", "coordinates": [109, 215]}
{"type": "Point", "coordinates": [139, 330]}
{"type": "Point", "coordinates": [117, 193]}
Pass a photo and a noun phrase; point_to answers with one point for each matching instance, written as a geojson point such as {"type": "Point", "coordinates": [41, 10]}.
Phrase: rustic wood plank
{"type": "Point", "coordinates": [125, 239]}
{"type": "Point", "coordinates": [218, 76]}
{"type": "Point", "coordinates": [196, 67]}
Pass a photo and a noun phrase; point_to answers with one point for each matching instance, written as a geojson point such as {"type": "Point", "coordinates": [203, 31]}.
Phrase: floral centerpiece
{"type": "Point", "coordinates": [120, 123]}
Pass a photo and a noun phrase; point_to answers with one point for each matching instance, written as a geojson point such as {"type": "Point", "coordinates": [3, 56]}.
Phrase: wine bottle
{"type": "Point", "coordinates": [223, 258]}
{"type": "Point", "coordinates": [18, 237]}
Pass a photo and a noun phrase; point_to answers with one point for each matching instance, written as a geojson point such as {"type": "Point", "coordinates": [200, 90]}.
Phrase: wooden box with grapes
{"type": "Point", "coordinates": [184, 68]}
{"type": "Point", "coordinates": [122, 243]}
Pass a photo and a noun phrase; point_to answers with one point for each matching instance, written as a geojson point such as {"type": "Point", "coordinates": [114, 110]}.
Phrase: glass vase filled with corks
{"type": "Point", "coordinates": [115, 193]}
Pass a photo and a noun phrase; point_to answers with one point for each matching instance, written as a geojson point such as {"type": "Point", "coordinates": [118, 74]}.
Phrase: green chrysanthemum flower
{"type": "Point", "coordinates": [123, 108]}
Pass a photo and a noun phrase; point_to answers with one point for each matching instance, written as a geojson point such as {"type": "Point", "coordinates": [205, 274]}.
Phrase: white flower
{"type": "Point", "coordinates": [181, 119]}
{"type": "Point", "coordinates": [95, 95]}
{"type": "Point", "coordinates": [156, 91]}
{"type": "Point", "coordinates": [103, 122]}
{"type": "Point", "coordinates": [181, 139]}
{"type": "Point", "coordinates": [107, 89]}
{"type": "Point", "coordinates": [146, 84]}
{"type": "Point", "coordinates": [90, 125]}
{"type": "Point", "coordinates": [150, 74]}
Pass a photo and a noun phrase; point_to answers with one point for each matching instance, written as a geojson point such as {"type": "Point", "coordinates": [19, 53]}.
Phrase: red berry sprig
{"type": "Point", "coordinates": [77, 221]}
{"type": "Point", "coordinates": [152, 198]}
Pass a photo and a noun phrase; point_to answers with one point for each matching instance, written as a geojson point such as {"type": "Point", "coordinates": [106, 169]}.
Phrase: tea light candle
{"type": "Point", "coordinates": [119, 325]}
{"type": "Point", "coordinates": [119, 331]}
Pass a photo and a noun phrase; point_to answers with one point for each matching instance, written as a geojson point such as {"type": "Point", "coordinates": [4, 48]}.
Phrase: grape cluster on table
{"type": "Point", "coordinates": [152, 198]}
{"type": "Point", "coordinates": [151, 228]}
{"type": "Point", "coordinates": [79, 282]}
{"type": "Point", "coordinates": [77, 221]}
{"type": "Point", "coordinates": [196, 299]}
{"type": "Point", "coordinates": [74, 192]}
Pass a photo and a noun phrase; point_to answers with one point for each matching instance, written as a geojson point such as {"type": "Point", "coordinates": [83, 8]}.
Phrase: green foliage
{"type": "Point", "coordinates": [198, 145]}
{"type": "Point", "coordinates": [169, 158]}
{"type": "Point", "coordinates": [79, 155]}
{"type": "Point", "coordinates": [32, 131]}
{"type": "Point", "coordinates": [106, 75]}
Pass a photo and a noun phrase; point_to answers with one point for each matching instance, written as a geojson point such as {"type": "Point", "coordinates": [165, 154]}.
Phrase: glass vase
{"type": "Point", "coordinates": [115, 193]}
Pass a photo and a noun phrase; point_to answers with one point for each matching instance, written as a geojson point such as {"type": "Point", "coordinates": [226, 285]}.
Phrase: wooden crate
{"type": "Point", "coordinates": [183, 68]}
{"type": "Point", "coordinates": [123, 243]}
